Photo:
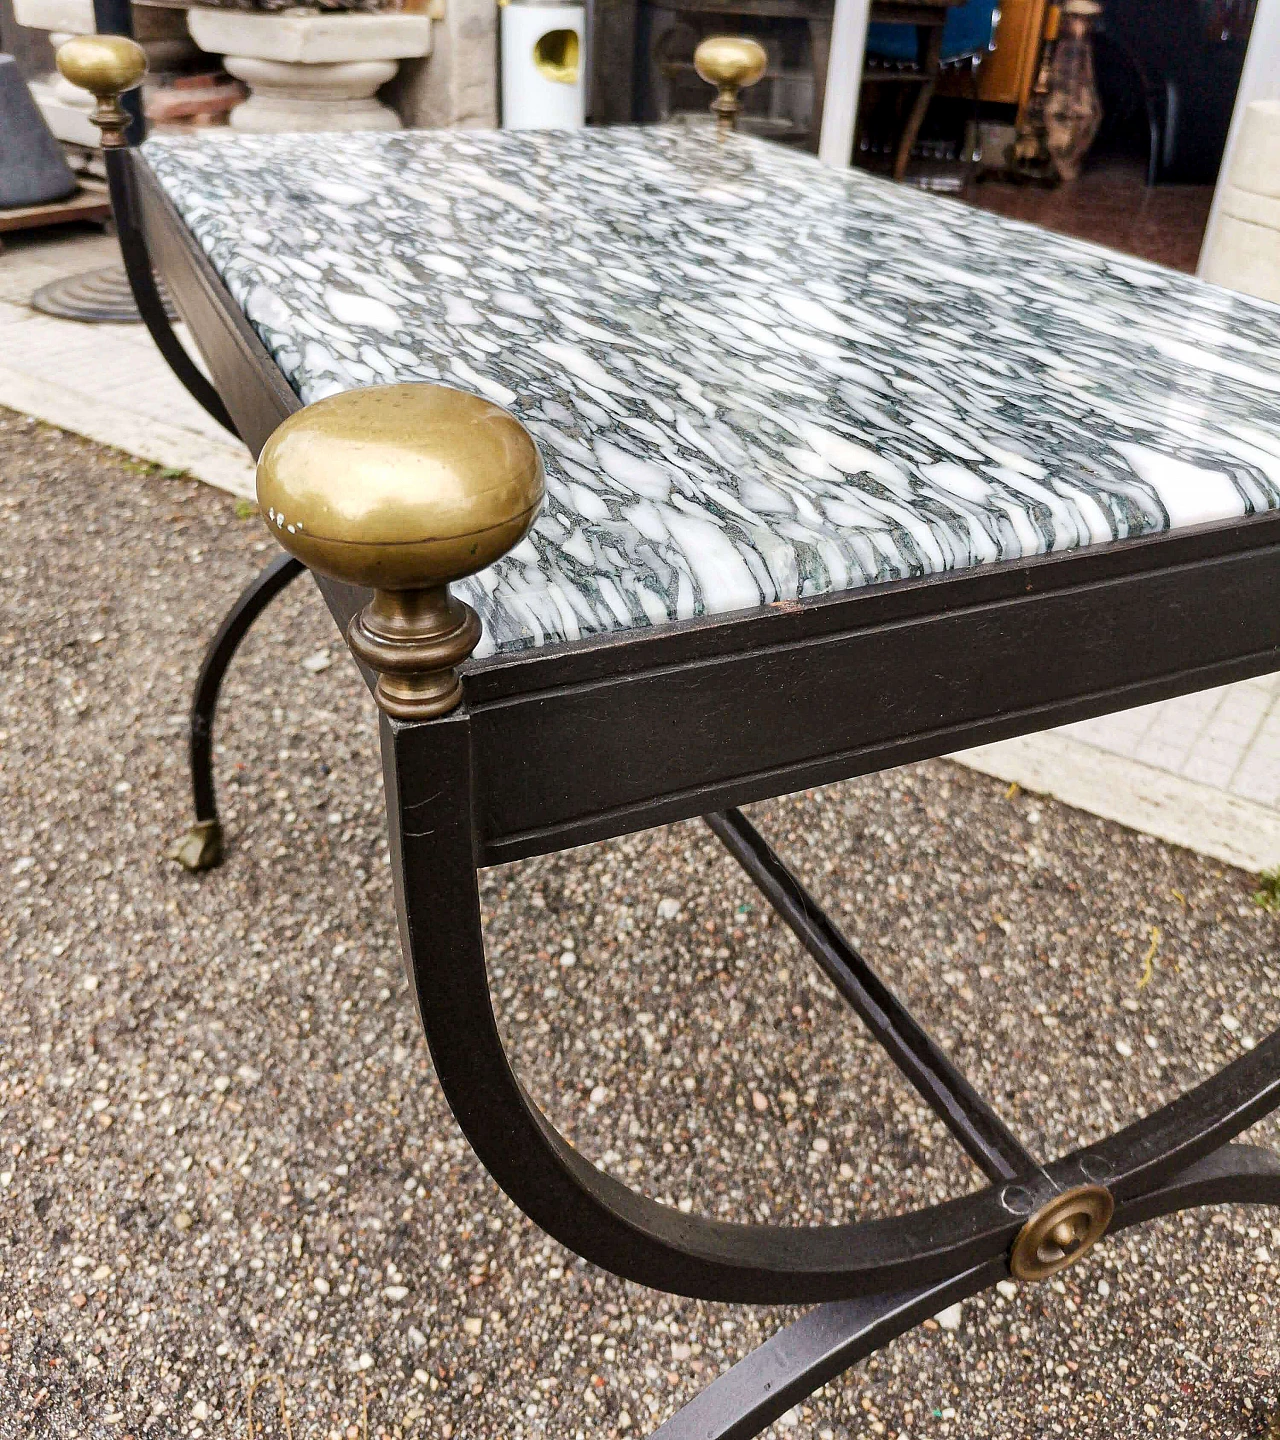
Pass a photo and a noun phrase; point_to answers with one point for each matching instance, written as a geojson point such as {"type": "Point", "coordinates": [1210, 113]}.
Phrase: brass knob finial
{"type": "Point", "coordinates": [730, 63]}
{"type": "Point", "coordinates": [106, 66]}
{"type": "Point", "coordinates": [403, 488]}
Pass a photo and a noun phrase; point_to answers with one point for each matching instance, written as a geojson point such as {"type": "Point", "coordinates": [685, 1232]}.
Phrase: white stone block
{"type": "Point", "coordinates": [1244, 252]}
{"type": "Point", "coordinates": [73, 16]}
{"type": "Point", "coordinates": [458, 86]}
{"type": "Point", "coordinates": [1245, 257]}
{"type": "Point", "coordinates": [310, 39]}
{"type": "Point", "coordinates": [69, 120]}
{"type": "Point", "coordinates": [1256, 164]}
{"type": "Point", "coordinates": [311, 72]}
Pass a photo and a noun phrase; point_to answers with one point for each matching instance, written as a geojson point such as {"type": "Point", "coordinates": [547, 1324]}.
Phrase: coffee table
{"type": "Point", "coordinates": [837, 476]}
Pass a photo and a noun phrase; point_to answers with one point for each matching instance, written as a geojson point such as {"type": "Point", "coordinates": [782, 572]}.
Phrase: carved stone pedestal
{"type": "Point", "coordinates": [311, 72]}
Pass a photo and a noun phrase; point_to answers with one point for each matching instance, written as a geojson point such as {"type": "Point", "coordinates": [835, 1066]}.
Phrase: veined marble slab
{"type": "Point", "coordinates": [752, 378]}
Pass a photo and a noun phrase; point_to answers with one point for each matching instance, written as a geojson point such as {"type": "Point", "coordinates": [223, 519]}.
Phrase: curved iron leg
{"type": "Point", "coordinates": [430, 810]}
{"type": "Point", "coordinates": [827, 1341]}
{"type": "Point", "coordinates": [142, 281]}
{"type": "Point", "coordinates": [115, 17]}
{"type": "Point", "coordinates": [201, 847]}
{"type": "Point", "coordinates": [429, 771]}
{"type": "Point", "coordinates": [884, 1275]}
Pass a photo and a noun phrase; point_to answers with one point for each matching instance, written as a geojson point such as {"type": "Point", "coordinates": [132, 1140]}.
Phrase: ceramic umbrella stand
{"type": "Point", "coordinates": [543, 81]}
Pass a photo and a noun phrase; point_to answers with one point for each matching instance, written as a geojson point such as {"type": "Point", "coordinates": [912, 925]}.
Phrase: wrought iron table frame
{"type": "Point", "coordinates": [579, 742]}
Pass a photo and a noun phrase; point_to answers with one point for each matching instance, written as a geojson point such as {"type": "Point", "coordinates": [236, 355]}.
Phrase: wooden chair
{"type": "Point", "coordinates": [895, 56]}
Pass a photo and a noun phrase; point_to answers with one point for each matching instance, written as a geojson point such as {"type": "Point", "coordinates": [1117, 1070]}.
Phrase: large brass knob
{"type": "Point", "coordinates": [403, 488]}
{"type": "Point", "coordinates": [731, 63]}
{"type": "Point", "coordinates": [106, 66]}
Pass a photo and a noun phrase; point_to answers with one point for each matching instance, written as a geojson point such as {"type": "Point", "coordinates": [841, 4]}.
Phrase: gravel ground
{"type": "Point", "coordinates": [223, 1157]}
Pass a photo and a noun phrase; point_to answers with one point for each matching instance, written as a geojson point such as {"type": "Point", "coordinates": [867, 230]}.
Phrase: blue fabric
{"type": "Point", "coordinates": [968, 29]}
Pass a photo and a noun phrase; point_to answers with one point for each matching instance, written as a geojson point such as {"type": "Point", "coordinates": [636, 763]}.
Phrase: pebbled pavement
{"type": "Point", "coordinates": [223, 1158]}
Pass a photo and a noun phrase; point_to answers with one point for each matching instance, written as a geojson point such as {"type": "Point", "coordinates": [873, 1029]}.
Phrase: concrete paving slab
{"type": "Point", "coordinates": [107, 382]}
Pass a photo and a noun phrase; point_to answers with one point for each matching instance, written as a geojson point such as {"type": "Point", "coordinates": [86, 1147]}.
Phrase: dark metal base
{"type": "Point", "coordinates": [97, 296]}
{"type": "Point", "coordinates": [872, 1280]}
{"type": "Point", "coordinates": [883, 1277]}
{"type": "Point", "coordinates": [1176, 1159]}
{"type": "Point", "coordinates": [830, 1339]}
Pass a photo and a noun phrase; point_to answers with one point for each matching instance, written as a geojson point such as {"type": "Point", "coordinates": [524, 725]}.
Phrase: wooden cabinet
{"type": "Point", "coordinates": [1009, 72]}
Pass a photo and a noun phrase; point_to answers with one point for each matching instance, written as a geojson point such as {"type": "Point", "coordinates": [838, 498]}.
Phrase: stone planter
{"type": "Point", "coordinates": [311, 72]}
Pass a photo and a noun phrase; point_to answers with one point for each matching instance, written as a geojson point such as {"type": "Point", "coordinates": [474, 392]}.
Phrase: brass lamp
{"type": "Point", "coordinates": [730, 63]}
{"type": "Point", "coordinates": [106, 66]}
{"type": "Point", "coordinates": [403, 488]}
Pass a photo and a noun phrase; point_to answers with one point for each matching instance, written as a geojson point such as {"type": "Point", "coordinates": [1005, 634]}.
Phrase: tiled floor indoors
{"type": "Point", "coordinates": [1202, 771]}
{"type": "Point", "coordinates": [1111, 204]}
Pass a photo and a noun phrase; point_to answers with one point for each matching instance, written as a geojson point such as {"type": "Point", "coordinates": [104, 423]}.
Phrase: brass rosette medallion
{"type": "Point", "coordinates": [1062, 1231]}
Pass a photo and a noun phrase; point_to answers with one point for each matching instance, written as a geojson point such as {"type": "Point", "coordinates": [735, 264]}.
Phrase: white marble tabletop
{"type": "Point", "coordinates": [752, 378]}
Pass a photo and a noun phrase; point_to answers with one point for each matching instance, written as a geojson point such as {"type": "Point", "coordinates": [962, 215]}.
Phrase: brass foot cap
{"type": "Point", "coordinates": [1061, 1232]}
{"type": "Point", "coordinates": [200, 848]}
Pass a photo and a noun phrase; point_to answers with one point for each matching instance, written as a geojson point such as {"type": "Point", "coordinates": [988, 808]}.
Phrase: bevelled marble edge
{"type": "Point", "coordinates": [486, 658]}
{"type": "Point", "coordinates": [698, 125]}
{"type": "Point", "coordinates": [875, 485]}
